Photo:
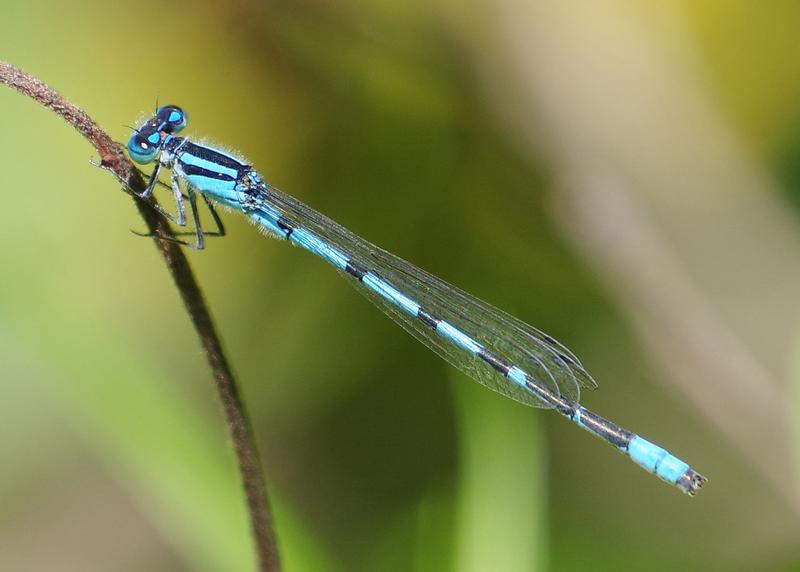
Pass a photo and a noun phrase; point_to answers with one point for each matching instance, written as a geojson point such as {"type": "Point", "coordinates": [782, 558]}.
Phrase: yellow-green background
{"type": "Point", "coordinates": [495, 144]}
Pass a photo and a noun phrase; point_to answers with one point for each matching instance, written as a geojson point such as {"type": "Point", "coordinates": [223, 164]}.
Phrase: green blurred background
{"type": "Point", "coordinates": [623, 175]}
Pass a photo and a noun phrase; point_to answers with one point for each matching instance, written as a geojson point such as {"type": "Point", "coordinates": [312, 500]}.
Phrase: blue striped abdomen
{"type": "Point", "coordinates": [444, 330]}
{"type": "Point", "coordinates": [269, 218]}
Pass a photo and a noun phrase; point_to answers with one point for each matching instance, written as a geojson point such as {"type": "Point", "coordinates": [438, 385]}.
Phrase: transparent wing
{"type": "Point", "coordinates": [545, 360]}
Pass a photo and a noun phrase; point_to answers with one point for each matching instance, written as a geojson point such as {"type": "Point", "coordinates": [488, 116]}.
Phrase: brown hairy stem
{"type": "Point", "coordinates": [113, 159]}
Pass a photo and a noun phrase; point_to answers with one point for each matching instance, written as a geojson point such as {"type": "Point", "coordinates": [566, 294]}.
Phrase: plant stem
{"type": "Point", "coordinates": [113, 158]}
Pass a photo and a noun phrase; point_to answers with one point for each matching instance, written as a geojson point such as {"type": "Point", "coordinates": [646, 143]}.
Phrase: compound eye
{"type": "Point", "coordinates": [172, 118]}
{"type": "Point", "coordinates": [144, 146]}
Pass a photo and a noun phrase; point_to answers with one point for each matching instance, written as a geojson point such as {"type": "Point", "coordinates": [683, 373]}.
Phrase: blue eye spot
{"type": "Point", "coordinates": [142, 148]}
{"type": "Point", "coordinates": [171, 118]}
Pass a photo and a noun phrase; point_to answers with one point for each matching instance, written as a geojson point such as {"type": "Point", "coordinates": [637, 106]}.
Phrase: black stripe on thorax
{"type": "Point", "coordinates": [194, 170]}
{"type": "Point", "coordinates": [286, 225]}
{"type": "Point", "coordinates": [212, 155]}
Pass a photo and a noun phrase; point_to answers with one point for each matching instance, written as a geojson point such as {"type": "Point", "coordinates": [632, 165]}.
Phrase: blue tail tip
{"type": "Point", "coordinates": [666, 466]}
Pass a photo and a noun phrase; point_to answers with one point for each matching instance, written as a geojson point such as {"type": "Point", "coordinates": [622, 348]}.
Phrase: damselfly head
{"type": "Point", "coordinates": [145, 144]}
{"type": "Point", "coordinates": [171, 118]}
